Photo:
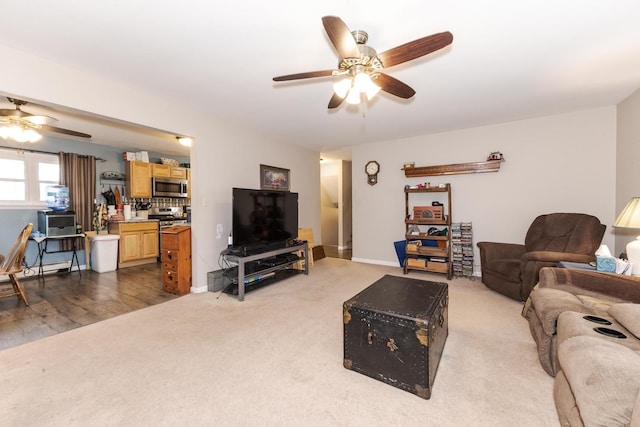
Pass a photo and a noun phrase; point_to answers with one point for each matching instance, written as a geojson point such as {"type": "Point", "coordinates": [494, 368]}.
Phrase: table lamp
{"type": "Point", "coordinates": [630, 218]}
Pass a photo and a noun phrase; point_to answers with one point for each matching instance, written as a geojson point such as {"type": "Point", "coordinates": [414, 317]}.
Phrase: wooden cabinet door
{"type": "Point", "coordinates": [178, 172]}
{"type": "Point", "coordinates": [130, 246]}
{"type": "Point", "coordinates": [139, 179]}
{"type": "Point", "coordinates": [149, 242]}
{"type": "Point", "coordinates": [189, 183]}
{"type": "Point", "coordinates": [161, 170]}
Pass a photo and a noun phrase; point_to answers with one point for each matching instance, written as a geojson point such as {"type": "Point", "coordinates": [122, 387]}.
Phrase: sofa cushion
{"type": "Point", "coordinates": [595, 305]}
{"type": "Point", "coordinates": [549, 303]}
{"type": "Point", "coordinates": [628, 315]}
{"type": "Point", "coordinates": [572, 324]}
{"type": "Point", "coordinates": [604, 378]}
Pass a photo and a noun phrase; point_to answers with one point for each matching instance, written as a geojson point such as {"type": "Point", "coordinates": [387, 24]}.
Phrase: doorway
{"type": "Point", "coordinates": [336, 208]}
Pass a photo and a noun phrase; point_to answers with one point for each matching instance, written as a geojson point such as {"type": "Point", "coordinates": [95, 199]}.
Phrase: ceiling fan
{"type": "Point", "coordinates": [362, 67]}
{"type": "Point", "coordinates": [22, 121]}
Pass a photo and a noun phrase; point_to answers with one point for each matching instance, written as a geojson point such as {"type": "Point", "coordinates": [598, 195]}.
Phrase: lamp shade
{"type": "Point", "coordinates": [630, 215]}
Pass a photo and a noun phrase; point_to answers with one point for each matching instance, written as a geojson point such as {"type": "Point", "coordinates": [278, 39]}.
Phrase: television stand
{"type": "Point", "coordinates": [265, 269]}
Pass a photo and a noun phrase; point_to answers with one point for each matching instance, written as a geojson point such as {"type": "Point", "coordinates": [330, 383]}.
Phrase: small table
{"type": "Point", "coordinates": [43, 249]}
{"type": "Point", "coordinates": [576, 265]}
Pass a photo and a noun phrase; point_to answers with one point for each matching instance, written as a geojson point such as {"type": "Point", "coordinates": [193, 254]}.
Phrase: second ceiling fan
{"type": "Point", "coordinates": [22, 119]}
{"type": "Point", "coordinates": [362, 67]}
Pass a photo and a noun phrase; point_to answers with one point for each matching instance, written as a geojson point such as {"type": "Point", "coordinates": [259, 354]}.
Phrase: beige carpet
{"type": "Point", "coordinates": [274, 360]}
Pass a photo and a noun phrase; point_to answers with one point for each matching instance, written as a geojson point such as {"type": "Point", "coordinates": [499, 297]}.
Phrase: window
{"type": "Point", "coordinates": [24, 177]}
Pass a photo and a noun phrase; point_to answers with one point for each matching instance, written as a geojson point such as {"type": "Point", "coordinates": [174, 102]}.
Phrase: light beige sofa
{"type": "Point", "coordinates": [586, 326]}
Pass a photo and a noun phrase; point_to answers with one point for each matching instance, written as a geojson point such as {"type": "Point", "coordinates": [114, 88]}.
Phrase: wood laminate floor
{"type": "Point", "coordinates": [61, 302]}
{"type": "Point", "coordinates": [334, 252]}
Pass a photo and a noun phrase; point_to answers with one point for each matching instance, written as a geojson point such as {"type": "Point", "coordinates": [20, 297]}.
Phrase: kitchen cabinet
{"type": "Point", "coordinates": [189, 183]}
{"type": "Point", "coordinates": [160, 170]}
{"type": "Point", "coordinates": [138, 242]}
{"type": "Point", "coordinates": [138, 175]}
{"type": "Point", "coordinates": [178, 172]}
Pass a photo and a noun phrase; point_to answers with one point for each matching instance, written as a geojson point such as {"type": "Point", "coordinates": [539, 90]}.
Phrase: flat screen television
{"type": "Point", "coordinates": [263, 219]}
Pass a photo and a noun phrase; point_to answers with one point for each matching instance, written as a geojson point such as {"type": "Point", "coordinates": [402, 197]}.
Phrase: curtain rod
{"type": "Point", "coordinates": [98, 159]}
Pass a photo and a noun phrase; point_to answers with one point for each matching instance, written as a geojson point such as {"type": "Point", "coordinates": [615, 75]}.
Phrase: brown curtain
{"type": "Point", "coordinates": [78, 172]}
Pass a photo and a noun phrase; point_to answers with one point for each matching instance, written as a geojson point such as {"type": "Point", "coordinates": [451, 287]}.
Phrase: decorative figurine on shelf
{"type": "Point", "coordinates": [496, 155]}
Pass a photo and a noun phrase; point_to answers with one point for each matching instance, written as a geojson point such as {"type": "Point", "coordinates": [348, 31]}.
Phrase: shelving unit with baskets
{"type": "Point", "coordinates": [428, 229]}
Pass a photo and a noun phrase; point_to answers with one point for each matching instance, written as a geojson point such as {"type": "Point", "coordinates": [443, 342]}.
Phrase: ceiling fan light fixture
{"type": "Point", "coordinates": [31, 135]}
{"type": "Point", "coordinates": [360, 82]}
{"type": "Point", "coordinates": [20, 134]}
{"type": "Point", "coordinates": [364, 84]}
{"type": "Point", "coordinates": [353, 97]}
{"type": "Point", "coordinates": [342, 86]}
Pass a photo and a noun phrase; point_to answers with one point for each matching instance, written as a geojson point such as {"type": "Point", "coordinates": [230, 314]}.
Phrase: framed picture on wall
{"type": "Point", "coordinates": [273, 178]}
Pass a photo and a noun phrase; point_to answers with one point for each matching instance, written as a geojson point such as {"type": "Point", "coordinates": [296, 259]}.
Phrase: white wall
{"type": "Point", "coordinates": [628, 162]}
{"type": "Point", "coordinates": [223, 156]}
{"type": "Point", "coordinates": [561, 163]}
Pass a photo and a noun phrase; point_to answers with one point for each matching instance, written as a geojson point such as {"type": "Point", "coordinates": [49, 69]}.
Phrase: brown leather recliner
{"type": "Point", "coordinates": [512, 269]}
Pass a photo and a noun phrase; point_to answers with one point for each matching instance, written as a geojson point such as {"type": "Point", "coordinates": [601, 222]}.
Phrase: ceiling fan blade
{"type": "Point", "coordinates": [335, 101]}
{"type": "Point", "coordinates": [341, 37]}
{"type": "Point", "coordinates": [415, 49]}
{"type": "Point", "coordinates": [307, 75]}
{"type": "Point", "coordinates": [394, 86]}
{"type": "Point", "coordinates": [64, 131]}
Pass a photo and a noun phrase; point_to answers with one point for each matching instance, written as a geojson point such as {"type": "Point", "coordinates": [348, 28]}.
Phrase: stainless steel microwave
{"type": "Point", "coordinates": [169, 187]}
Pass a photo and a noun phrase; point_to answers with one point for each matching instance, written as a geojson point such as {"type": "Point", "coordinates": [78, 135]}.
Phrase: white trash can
{"type": "Point", "coordinates": [104, 252]}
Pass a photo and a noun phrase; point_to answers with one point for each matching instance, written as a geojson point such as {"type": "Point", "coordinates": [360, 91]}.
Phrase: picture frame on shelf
{"type": "Point", "coordinates": [274, 178]}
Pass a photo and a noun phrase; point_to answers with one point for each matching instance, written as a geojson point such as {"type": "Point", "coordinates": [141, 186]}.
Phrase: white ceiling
{"type": "Point", "coordinates": [508, 60]}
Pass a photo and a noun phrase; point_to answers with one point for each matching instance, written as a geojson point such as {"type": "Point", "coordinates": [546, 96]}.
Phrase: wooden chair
{"type": "Point", "coordinates": [12, 264]}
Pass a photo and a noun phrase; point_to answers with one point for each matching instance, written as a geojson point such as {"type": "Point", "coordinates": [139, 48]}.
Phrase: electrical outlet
{"type": "Point", "coordinates": [219, 231]}
{"type": "Point", "coordinates": [205, 201]}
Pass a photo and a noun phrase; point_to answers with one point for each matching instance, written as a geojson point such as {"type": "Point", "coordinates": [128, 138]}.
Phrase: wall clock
{"type": "Point", "coordinates": [372, 168]}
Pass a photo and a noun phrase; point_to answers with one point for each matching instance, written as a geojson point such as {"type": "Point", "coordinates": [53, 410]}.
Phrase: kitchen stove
{"type": "Point", "coordinates": [163, 223]}
{"type": "Point", "coordinates": [168, 216]}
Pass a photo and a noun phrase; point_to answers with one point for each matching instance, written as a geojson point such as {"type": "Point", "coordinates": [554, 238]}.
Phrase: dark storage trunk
{"type": "Point", "coordinates": [395, 330]}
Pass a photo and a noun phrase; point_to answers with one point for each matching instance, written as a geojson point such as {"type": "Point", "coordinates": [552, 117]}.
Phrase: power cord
{"type": "Point", "coordinates": [227, 271]}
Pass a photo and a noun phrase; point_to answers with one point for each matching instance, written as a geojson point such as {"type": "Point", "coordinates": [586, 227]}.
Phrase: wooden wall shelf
{"type": "Point", "coordinates": [453, 169]}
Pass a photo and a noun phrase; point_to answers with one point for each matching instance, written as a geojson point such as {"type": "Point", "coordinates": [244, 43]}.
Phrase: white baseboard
{"type": "Point", "coordinates": [51, 268]}
{"type": "Point", "coordinates": [376, 261]}
{"type": "Point", "coordinates": [476, 271]}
